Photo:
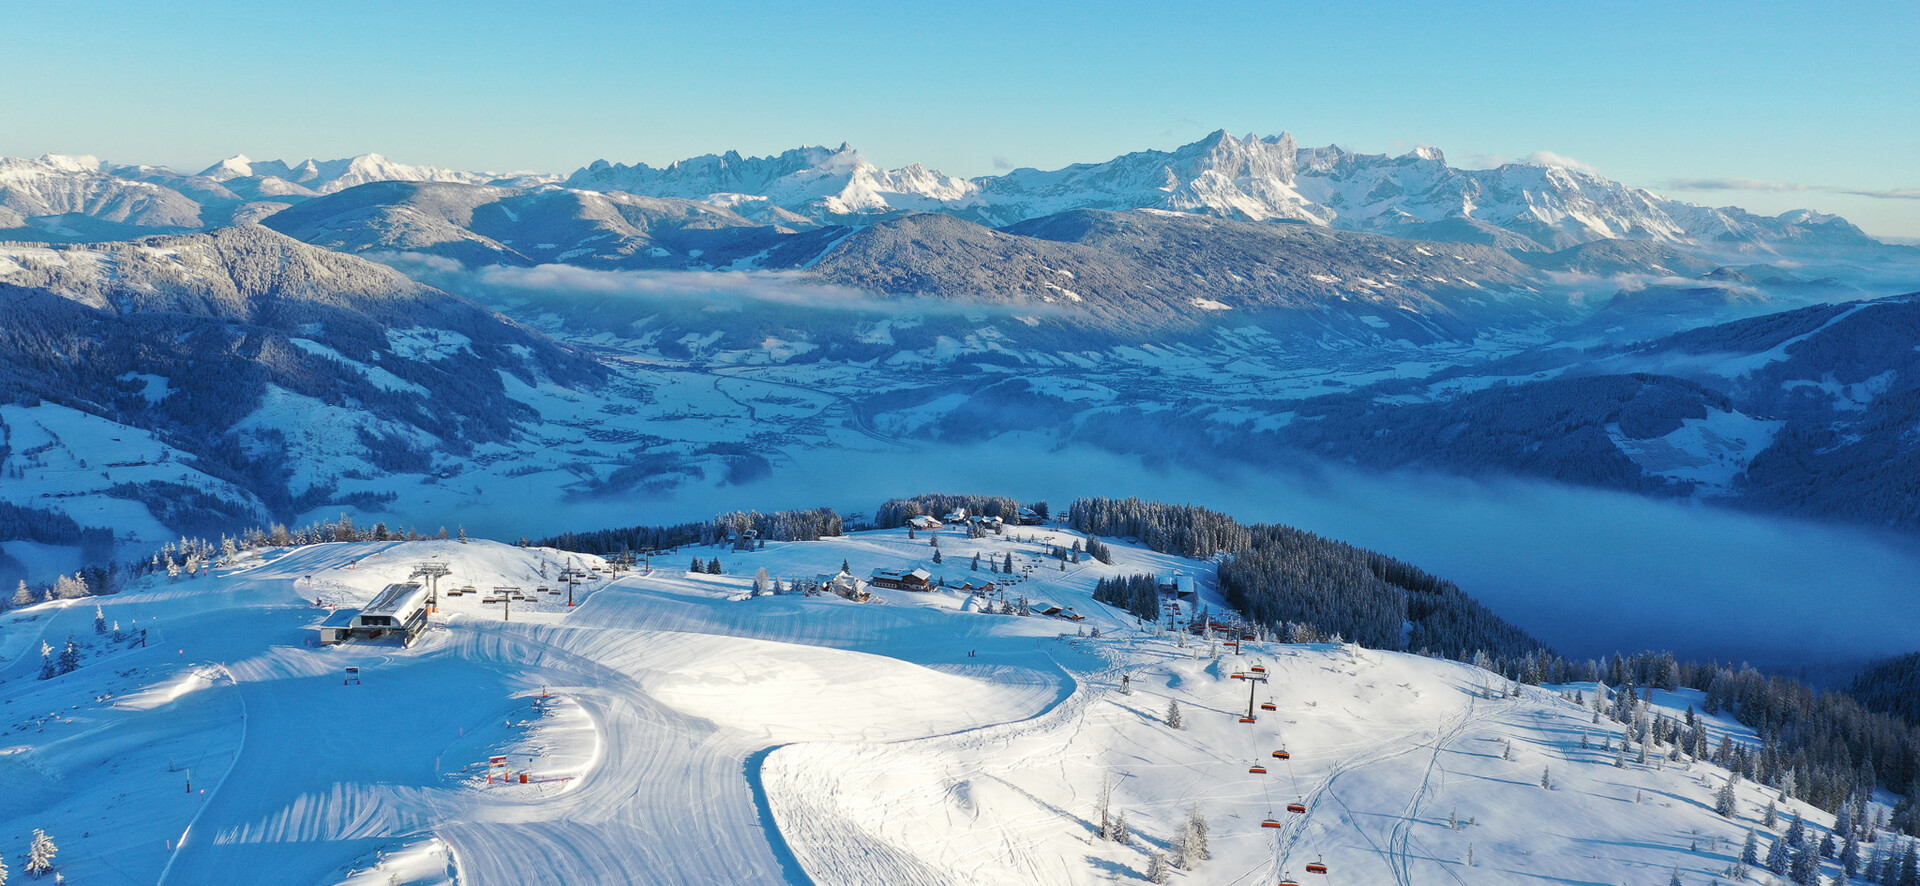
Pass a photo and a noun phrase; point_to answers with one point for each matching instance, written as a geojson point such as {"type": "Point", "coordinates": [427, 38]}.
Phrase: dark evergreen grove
{"type": "Point", "coordinates": [896, 512]}
{"type": "Point", "coordinates": [602, 542]}
{"type": "Point", "coordinates": [802, 525]}
{"type": "Point", "coordinates": [1280, 576]}
{"type": "Point", "coordinates": [1892, 686]}
{"type": "Point", "coordinates": [1138, 594]}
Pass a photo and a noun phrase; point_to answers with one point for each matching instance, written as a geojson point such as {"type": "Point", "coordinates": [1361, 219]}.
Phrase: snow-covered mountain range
{"type": "Point", "coordinates": [1516, 205]}
{"type": "Point", "coordinates": [1522, 206]}
{"type": "Point", "coordinates": [82, 198]}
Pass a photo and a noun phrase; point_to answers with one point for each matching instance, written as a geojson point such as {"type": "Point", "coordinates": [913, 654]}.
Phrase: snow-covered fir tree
{"type": "Point", "coordinates": [1726, 802]}
{"type": "Point", "coordinates": [1805, 867]}
{"type": "Point", "coordinates": [70, 587]}
{"type": "Point", "coordinates": [1173, 715]}
{"type": "Point", "coordinates": [1193, 840]}
{"type": "Point", "coordinates": [40, 853]}
{"type": "Point", "coordinates": [70, 656]}
{"type": "Point", "coordinates": [1777, 857]}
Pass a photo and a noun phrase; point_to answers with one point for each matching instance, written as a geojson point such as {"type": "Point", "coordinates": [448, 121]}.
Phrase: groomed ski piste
{"type": "Point", "coordinates": [675, 728]}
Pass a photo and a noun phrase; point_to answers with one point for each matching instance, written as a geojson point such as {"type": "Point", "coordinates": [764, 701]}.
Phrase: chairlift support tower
{"type": "Point", "coordinates": [504, 597]}
{"type": "Point", "coordinates": [432, 571]}
{"type": "Point", "coordinates": [1251, 678]}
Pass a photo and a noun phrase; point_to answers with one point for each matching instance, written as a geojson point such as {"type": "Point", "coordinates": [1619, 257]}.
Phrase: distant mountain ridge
{"type": "Point", "coordinates": [76, 198]}
{"type": "Point", "coordinates": [1416, 195]}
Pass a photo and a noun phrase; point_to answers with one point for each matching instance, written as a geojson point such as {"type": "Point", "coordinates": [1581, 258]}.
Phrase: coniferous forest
{"type": "Point", "coordinates": [1281, 577]}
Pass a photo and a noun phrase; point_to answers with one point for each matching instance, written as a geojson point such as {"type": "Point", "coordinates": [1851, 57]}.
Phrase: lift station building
{"type": "Point", "coordinates": [398, 610]}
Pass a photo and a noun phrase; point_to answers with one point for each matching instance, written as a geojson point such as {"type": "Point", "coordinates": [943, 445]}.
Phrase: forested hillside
{"type": "Point", "coordinates": [220, 344]}
{"type": "Point", "coordinates": [1296, 582]}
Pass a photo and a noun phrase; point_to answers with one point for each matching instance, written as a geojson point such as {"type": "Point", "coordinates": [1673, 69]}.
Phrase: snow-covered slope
{"type": "Point", "coordinates": [483, 225]}
{"type": "Point", "coordinates": [674, 728]}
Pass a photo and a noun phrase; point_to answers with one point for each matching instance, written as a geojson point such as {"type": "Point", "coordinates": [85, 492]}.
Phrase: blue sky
{"type": "Point", "coordinates": [1765, 105]}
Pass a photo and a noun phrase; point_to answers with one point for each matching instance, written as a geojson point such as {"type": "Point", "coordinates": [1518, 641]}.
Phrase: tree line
{"type": "Point", "coordinates": [896, 512]}
{"type": "Point", "coordinates": [810, 524]}
{"type": "Point", "coordinates": [1288, 579]}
